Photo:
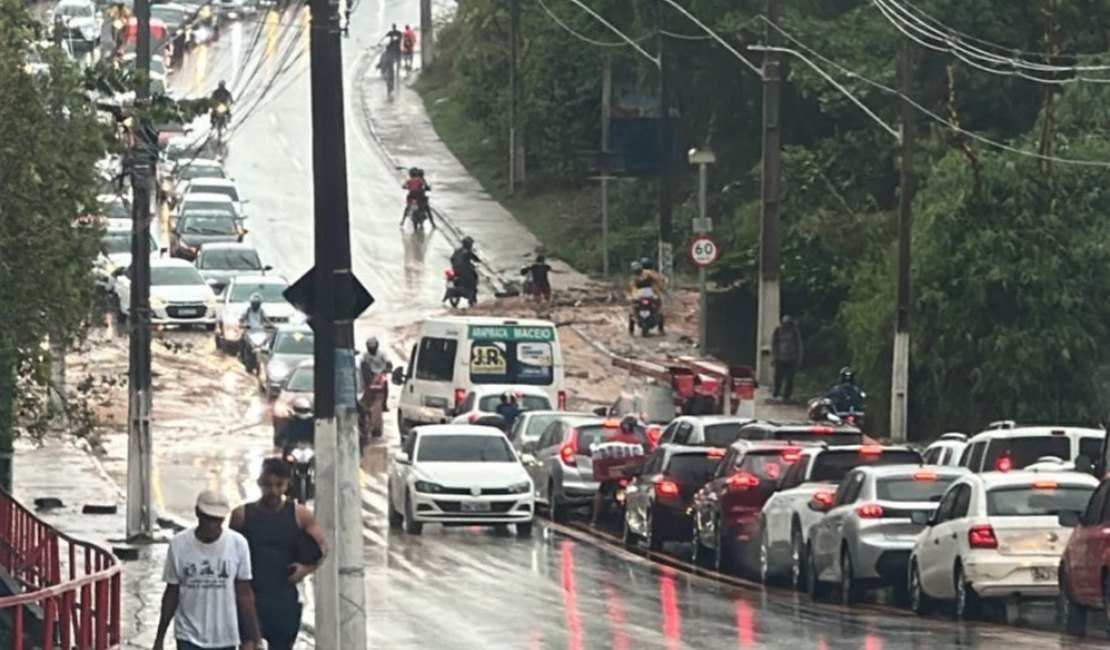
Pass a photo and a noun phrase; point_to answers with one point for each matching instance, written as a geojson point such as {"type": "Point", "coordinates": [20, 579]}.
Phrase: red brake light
{"type": "Point", "coordinates": [569, 449]}
{"type": "Point", "coordinates": [1004, 464]}
{"type": "Point", "coordinates": [562, 400]}
{"type": "Point", "coordinates": [743, 481]}
{"type": "Point", "coordinates": [645, 303]}
{"type": "Point", "coordinates": [666, 488]}
{"type": "Point", "coordinates": [1045, 485]}
{"type": "Point", "coordinates": [871, 450]}
{"type": "Point", "coordinates": [925, 476]}
{"type": "Point", "coordinates": [653, 434]}
{"type": "Point", "coordinates": [715, 452]}
{"type": "Point", "coordinates": [870, 511]}
{"type": "Point", "coordinates": [460, 395]}
{"type": "Point", "coordinates": [824, 497]}
{"type": "Point", "coordinates": [791, 455]}
{"type": "Point", "coordinates": [611, 424]}
{"type": "Point", "coordinates": [822, 430]}
{"type": "Point", "coordinates": [982, 536]}
{"type": "Point", "coordinates": [473, 418]}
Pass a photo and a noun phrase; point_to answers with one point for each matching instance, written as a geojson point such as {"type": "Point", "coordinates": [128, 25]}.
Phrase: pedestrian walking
{"type": "Point", "coordinates": [208, 584]}
{"type": "Point", "coordinates": [286, 545]}
{"type": "Point", "coordinates": [786, 350]}
{"type": "Point", "coordinates": [536, 279]}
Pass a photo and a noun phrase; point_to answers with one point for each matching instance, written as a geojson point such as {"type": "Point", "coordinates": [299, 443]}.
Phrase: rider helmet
{"type": "Point", "coordinates": [847, 376]}
{"type": "Point", "coordinates": [635, 267]}
{"type": "Point", "coordinates": [222, 84]}
{"type": "Point", "coordinates": [372, 344]}
{"type": "Point", "coordinates": [467, 241]}
{"type": "Point", "coordinates": [413, 172]}
{"type": "Point", "coordinates": [256, 300]}
{"type": "Point", "coordinates": [647, 263]}
{"type": "Point", "coordinates": [628, 424]}
{"type": "Point", "coordinates": [420, 172]}
{"type": "Point", "coordinates": [302, 408]}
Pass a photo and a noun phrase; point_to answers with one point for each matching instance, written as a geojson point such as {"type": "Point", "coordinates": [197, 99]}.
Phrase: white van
{"type": "Point", "coordinates": [457, 352]}
{"type": "Point", "coordinates": [1004, 446]}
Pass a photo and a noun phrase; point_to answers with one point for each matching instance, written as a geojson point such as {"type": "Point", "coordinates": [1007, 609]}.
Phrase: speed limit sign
{"type": "Point", "coordinates": [704, 250]}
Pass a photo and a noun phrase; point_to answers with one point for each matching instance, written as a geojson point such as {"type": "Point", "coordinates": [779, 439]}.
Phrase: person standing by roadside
{"type": "Point", "coordinates": [208, 584]}
{"type": "Point", "coordinates": [786, 348]}
{"type": "Point", "coordinates": [276, 529]}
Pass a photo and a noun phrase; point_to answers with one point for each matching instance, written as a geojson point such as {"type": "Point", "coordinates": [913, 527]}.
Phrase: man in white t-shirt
{"type": "Point", "coordinates": [208, 583]}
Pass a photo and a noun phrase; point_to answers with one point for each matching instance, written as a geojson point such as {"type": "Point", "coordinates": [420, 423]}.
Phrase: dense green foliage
{"type": "Point", "coordinates": [1011, 254]}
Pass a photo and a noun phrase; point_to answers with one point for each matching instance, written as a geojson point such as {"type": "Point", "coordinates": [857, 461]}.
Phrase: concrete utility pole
{"type": "Point", "coordinates": [340, 590]}
{"type": "Point", "coordinates": [702, 226]}
{"type": "Point", "coordinates": [427, 44]}
{"type": "Point", "coordinates": [516, 91]}
{"type": "Point", "coordinates": [666, 169]}
{"type": "Point", "coordinates": [900, 375]}
{"type": "Point", "coordinates": [606, 167]}
{"type": "Point", "coordinates": [769, 259]}
{"type": "Point", "coordinates": [140, 510]}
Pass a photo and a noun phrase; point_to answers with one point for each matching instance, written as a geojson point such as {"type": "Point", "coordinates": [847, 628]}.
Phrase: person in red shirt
{"type": "Point", "coordinates": [418, 189]}
{"type": "Point", "coordinates": [408, 46]}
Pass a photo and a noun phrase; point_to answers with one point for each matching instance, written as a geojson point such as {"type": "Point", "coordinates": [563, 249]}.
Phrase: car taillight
{"type": "Point", "coordinates": [871, 450]}
{"type": "Point", "coordinates": [569, 449]}
{"type": "Point", "coordinates": [824, 497]}
{"type": "Point", "coordinates": [645, 303]}
{"type": "Point", "coordinates": [715, 452]}
{"type": "Point", "coordinates": [562, 400]}
{"type": "Point", "coordinates": [822, 430]}
{"type": "Point", "coordinates": [743, 481]}
{"type": "Point", "coordinates": [666, 488]}
{"type": "Point", "coordinates": [653, 433]}
{"type": "Point", "coordinates": [870, 511]}
{"type": "Point", "coordinates": [460, 395]}
{"type": "Point", "coordinates": [851, 419]}
{"type": "Point", "coordinates": [1045, 485]}
{"type": "Point", "coordinates": [791, 455]}
{"type": "Point", "coordinates": [982, 536]}
{"type": "Point", "coordinates": [1004, 464]}
{"type": "Point", "coordinates": [925, 476]}
{"type": "Point", "coordinates": [473, 418]}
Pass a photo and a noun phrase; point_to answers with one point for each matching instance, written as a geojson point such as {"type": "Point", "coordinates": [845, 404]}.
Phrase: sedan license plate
{"type": "Point", "coordinates": [475, 506]}
{"type": "Point", "coordinates": [1044, 574]}
{"type": "Point", "coordinates": [188, 312]}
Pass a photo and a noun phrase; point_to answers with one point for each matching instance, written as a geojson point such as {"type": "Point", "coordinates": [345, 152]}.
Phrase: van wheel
{"type": "Point", "coordinates": [403, 425]}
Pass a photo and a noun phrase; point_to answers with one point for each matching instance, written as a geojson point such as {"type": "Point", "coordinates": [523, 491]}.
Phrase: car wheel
{"type": "Point", "coordinates": [396, 519]}
{"type": "Point", "coordinates": [1070, 615]}
{"type": "Point", "coordinates": [412, 527]}
{"type": "Point", "coordinates": [524, 529]}
{"type": "Point", "coordinates": [1106, 600]}
{"type": "Point", "coordinates": [920, 602]}
{"type": "Point", "coordinates": [967, 601]}
{"type": "Point", "coordinates": [654, 543]}
{"type": "Point", "coordinates": [554, 508]}
{"type": "Point", "coordinates": [720, 553]}
{"type": "Point", "coordinates": [849, 588]}
{"type": "Point", "coordinates": [699, 555]}
{"type": "Point", "coordinates": [766, 574]}
{"type": "Point", "coordinates": [798, 564]}
{"type": "Point", "coordinates": [814, 587]}
{"type": "Point", "coordinates": [211, 327]}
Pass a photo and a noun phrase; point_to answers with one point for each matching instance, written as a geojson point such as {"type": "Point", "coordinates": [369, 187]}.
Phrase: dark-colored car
{"type": "Point", "coordinates": [195, 229]}
{"type": "Point", "coordinates": [1084, 573]}
{"type": "Point", "coordinates": [657, 503]}
{"type": "Point", "coordinates": [805, 432]}
{"type": "Point", "coordinates": [727, 509]}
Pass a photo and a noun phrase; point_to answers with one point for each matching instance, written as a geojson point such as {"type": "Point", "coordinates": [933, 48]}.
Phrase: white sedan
{"type": "Point", "coordinates": [178, 295]}
{"type": "Point", "coordinates": [995, 535]}
{"type": "Point", "coordinates": [459, 475]}
{"type": "Point", "coordinates": [236, 298]}
{"type": "Point", "coordinates": [483, 400]}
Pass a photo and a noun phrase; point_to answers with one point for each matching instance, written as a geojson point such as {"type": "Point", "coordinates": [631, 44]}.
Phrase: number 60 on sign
{"type": "Point", "coordinates": [704, 250]}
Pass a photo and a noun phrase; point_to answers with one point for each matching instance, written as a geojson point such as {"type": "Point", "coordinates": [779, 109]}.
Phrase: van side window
{"type": "Point", "coordinates": [412, 361]}
{"type": "Point", "coordinates": [436, 360]}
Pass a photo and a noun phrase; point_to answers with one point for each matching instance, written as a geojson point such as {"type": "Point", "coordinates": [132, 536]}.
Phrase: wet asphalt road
{"type": "Point", "coordinates": [456, 588]}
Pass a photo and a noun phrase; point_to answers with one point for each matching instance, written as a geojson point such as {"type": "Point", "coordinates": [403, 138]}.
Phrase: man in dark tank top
{"type": "Point", "coordinates": [286, 545]}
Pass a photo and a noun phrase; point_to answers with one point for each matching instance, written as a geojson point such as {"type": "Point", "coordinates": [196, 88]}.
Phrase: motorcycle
{"type": "Point", "coordinates": [459, 287]}
{"type": "Point", "coordinates": [256, 341]}
{"type": "Point", "coordinates": [645, 313]}
{"type": "Point", "coordinates": [822, 409]}
{"type": "Point", "coordinates": [453, 292]}
{"type": "Point", "coordinates": [416, 211]}
{"type": "Point", "coordinates": [374, 401]}
{"type": "Point", "coordinates": [219, 120]}
{"type": "Point", "coordinates": [302, 460]}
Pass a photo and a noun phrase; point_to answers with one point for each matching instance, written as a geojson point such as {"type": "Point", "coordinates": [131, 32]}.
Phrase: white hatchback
{"type": "Point", "coordinates": [995, 535]}
{"type": "Point", "coordinates": [459, 475]}
{"type": "Point", "coordinates": [483, 400]}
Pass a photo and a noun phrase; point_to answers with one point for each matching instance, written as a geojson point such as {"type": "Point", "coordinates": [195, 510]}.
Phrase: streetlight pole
{"type": "Point", "coordinates": [702, 226]}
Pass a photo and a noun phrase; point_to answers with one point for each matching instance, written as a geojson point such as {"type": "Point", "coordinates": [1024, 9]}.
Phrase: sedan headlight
{"type": "Point", "coordinates": [157, 303]}
{"type": "Point", "coordinates": [211, 301]}
{"type": "Point", "coordinates": [89, 32]}
{"type": "Point", "coordinates": [520, 488]}
{"type": "Point", "coordinates": [277, 370]}
{"type": "Point", "coordinates": [428, 487]}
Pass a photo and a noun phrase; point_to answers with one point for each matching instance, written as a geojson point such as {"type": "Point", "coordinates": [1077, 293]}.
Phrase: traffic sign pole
{"type": "Point", "coordinates": [703, 300]}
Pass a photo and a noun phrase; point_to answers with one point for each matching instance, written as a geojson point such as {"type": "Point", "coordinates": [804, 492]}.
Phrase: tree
{"type": "Point", "coordinates": [48, 179]}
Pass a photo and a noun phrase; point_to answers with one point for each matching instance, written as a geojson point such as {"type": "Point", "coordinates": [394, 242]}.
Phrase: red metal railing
{"type": "Point", "coordinates": [70, 589]}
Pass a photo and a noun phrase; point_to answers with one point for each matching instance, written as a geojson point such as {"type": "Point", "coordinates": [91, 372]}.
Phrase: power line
{"type": "Point", "coordinates": [725, 44]}
{"type": "Point", "coordinates": [570, 30]}
{"type": "Point", "coordinates": [626, 38]}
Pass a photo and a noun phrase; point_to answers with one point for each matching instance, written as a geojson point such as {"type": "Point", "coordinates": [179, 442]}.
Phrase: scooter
{"type": "Point", "coordinates": [374, 401]}
{"type": "Point", "coordinates": [646, 314]}
{"type": "Point", "coordinates": [302, 458]}
{"type": "Point", "coordinates": [415, 211]}
{"type": "Point", "coordinates": [452, 293]}
{"type": "Point", "coordinates": [256, 341]}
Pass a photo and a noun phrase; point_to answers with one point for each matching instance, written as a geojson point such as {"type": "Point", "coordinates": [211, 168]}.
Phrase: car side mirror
{"type": "Point", "coordinates": [819, 506]}
{"type": "Point", "coordinates": [1068, 519]}
{"type": "Point", "coordinates": [398, 376]}
{"type": "Point", "coordinates": [268, 268]}
{"type": "Point", "coordinates": [401, 458]}
{"type": "Point", "coordinates": [601, 411]}
{"type": "Point", "coordinates": [920, 518]}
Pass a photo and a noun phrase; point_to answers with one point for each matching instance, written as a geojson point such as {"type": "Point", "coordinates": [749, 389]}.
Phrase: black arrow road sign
{"type": "Point", "coordinates": [351, 300]}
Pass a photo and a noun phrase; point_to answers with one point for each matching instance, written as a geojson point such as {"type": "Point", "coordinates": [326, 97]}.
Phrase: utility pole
{"type": "Point", "coordinates": [340, 590]}
{"type": "Point", "coordinates": [427, 46]}
{"type": "Point", "coordinates": [516, 92]}
{"type": "Point", "coordinates": [606, 166]}
{"type": "Point", "coordinates": [769, 259]}
{"type": "Point", "coordinates": [703, 226]}
{"type": "Point", "coordinates": [900, 377]}
{"type": "Point", "coordinates": [666, 177]}
{"type": "Point", "coordinates": [140, 511]}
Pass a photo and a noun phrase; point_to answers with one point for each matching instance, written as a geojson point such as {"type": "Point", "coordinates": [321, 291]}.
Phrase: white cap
{"type": "Point", "coordinates": [213, 504]}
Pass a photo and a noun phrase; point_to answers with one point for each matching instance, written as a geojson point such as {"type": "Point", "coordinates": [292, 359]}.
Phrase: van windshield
{"type": "Point", "coordinates": [512, 362]}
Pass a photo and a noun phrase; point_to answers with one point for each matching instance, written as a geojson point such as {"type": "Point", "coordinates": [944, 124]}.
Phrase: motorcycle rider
{"type": "Point", "coordinates": [300, 427]}
{"type": "Point", "coordinates": [373, 363]}
{"type": "Point", "coordinates": [626, 434]}
{"type": "Point", "coordinates": [462, 262]}
{"type": "Point", "coordinates": [508, 409]}
{"type": "Point", "coordinates": [417, 188]}
{"type": "Point", "coordinates": [408, 46]}
{"type": "Point", "coordinates": [643, 276]}
{"type": "Point", "coordinates": [253, 319]}
{"type": "Point", "coordinates": [221, 95]}
{"type": "Point", "coordinates": [846, 396]}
